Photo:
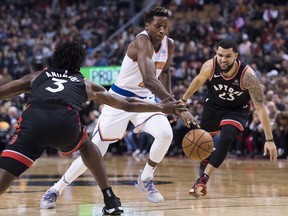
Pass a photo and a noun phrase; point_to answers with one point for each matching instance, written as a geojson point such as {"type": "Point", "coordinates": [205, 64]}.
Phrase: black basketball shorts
{"type": "Point", "coordinates": [38, 127]}
{"type": "Point", "coordinates": [213, 117]}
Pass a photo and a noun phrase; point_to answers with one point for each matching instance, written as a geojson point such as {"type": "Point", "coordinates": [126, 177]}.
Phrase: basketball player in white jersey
{"type": "Point", "coordinates": [146, 62]}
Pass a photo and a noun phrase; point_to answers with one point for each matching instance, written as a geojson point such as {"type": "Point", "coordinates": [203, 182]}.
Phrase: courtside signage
{"type": "Point", "coordinates": [103, 75]}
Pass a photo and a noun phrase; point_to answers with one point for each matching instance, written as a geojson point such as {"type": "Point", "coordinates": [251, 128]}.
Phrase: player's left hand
{"type": "Point", "coordinates": [271, 147]}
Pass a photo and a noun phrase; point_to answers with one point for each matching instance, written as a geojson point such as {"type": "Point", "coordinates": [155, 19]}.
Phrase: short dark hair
{"type": "Point", "coordinates": [155, 11]}
{"type": "Point", "coordinates": [68, 55]}
{"type": "Point", "coordinates": [227, 44]}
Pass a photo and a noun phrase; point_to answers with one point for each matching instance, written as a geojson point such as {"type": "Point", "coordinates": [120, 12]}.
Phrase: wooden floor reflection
{"type": "Point", "coordinates": [240, 187]}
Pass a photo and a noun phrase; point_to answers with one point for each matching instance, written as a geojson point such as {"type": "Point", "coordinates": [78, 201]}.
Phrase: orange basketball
{"type": "Point", "coordinates": [197, 144]}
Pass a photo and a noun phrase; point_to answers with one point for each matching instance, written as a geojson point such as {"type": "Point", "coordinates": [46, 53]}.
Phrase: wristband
{"type": "Point", "coordinates": [270, 140]}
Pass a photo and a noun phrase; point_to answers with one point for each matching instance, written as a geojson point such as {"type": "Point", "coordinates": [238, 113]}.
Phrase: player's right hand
{"type": "Point", "coordinates": [174, 107]}
{"type": "Point", "coordinates": [271, 147]}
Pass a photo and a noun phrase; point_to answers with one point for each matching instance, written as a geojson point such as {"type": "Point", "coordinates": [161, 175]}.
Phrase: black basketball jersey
{"type": "Point", "coordinates": [227, 92]}
{"type": "Point", "coordinates": [59, 86]}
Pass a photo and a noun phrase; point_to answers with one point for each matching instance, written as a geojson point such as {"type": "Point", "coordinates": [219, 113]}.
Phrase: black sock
{"type": "Point", "coordinates": [107, 193]}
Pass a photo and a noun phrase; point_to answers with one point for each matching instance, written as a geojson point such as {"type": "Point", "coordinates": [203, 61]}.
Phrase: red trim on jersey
{"type": "Point", "coordinates": [18, 127]}
{"type": "Point", "coordinates": [18, 156]}
{"type": "Point", "coordinates": [77, 146]}
{"type": "Point", "coordinates": [241, 78]}
{"type": "Point", "coordinates": [213, 68]}
{"type": "Point", "coordinates": [13, 139]}
{"type": "Point", "coordinates": [232, 122]}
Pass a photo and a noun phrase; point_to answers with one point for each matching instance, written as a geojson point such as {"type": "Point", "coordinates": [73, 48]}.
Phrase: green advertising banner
{"type": "Point", "coordinates": [104, 76]}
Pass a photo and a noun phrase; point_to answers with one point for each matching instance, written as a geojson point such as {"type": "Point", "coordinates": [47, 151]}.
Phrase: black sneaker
{"type": "Point", "coordinates": [112, 206]}
{"type": "Point", "coordinates": [199, 188]}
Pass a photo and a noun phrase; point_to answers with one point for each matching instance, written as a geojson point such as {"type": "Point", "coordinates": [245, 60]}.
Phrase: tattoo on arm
{"type": "Point", "coordinates": [252, 84]}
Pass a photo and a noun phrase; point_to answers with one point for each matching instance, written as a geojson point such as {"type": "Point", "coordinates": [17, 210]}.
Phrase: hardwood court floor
{"type": "Point", "coordinates": [240, 187]}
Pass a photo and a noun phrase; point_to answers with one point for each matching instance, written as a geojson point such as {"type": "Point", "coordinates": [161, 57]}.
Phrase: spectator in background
{"type": "Point", "coordinates": [278, 102]}
{"type": "Point", "coordinates": [100, 60]}
{"type": "Point", "coordinates": [285, 102]}
{"type": "Point", "coordinates": [270, 15]}
{"type": "Point", "coordinates": [5, 124]}
{"type": "Point", "coordinates": [131, 141]}
{"type": "Point", "coordinates": [280, 133]}
{"type": "Point", "coordinates": [253, 137]}
{"type": "Point", "coordinates": [90, 60]}
{"type": "Point", "coordinates": [145, 141]}
{"type": "Point", "coordinates": [6, 75]}
{"type": "Point", "coordinates": [245, 48]}
{"type": "Point", "coordinates": [13, 114]}
{"type": "Point", "coordinates": [272, 112]}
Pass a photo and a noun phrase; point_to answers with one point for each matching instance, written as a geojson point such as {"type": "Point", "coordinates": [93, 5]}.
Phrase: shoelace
{"type": "Point", "coordinates": [150, 187]}
{"type": "Point", "coordinates": [50, 197]}
{"type": "Point", "coordinates": [112, 203]}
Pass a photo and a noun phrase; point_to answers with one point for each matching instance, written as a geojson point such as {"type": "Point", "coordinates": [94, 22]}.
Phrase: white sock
{"type": "Point", "coordinates": [60, 185]}
{"type": "Point", "coordinates": [147, 172]}
{"type": "Point", "coordinates": [76, 169]}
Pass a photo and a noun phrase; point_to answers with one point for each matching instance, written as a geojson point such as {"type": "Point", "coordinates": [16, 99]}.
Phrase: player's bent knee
{"type": "Point", "coordinates": [229, 132]}
{"type": "Point", "coordinates": [165, 138]}
{"type": "Point", "coordinates": [6, 179]}
{"type": "Point", "coordinates": [163, 134]}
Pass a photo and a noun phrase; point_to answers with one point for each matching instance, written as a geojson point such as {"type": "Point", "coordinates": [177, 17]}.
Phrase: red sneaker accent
{"type": "Point", "coordinates": [199, 188]}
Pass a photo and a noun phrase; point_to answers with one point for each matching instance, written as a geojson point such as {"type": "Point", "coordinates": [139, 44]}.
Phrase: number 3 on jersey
{"type": "Point", "coordinates": [58, 83]}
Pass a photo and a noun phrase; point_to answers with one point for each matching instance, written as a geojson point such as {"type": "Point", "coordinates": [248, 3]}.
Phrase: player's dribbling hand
{"type": "Point", "coordinates": [188, 118]}
{"type": "Point", "coordinates": [271, 147]}
{"type": "Point", "coordinates": [171, 106]}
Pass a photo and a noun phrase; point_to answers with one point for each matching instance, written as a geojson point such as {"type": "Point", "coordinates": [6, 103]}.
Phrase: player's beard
{"type": "Point", "coordinates": [225, 71]}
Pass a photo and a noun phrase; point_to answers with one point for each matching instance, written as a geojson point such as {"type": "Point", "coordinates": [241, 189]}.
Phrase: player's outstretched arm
{"type": "Point", "coordinates": [252, 84]}
{"type": "Point", "coordinates": [99, 93]}
{"type": "Point", "coordinates": [17, 87]}
{"type": "Point", "coordinates": [199, 80]}
{"type": "Point", "coordinates": [136, 105]}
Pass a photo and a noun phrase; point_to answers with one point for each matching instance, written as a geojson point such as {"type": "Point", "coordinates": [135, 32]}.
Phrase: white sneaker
{"type": "Point", "coordinates": [48, 201]}
{"type": "Point", "coordinates": [147, 187]}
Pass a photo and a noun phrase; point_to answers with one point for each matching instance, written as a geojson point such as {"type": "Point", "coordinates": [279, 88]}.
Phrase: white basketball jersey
{"type": "Point", "coordinates": [130, 78]}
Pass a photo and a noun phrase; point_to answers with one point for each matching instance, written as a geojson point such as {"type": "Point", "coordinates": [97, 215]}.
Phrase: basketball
{"type": "Point", "coordinates": [197, 144]}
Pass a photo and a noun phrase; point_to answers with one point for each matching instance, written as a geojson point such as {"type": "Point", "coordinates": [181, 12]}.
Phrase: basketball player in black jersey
{"type": "Point", "coordinates": [52, 119]}
{"type": "Point", "coordinates": [231, 85]}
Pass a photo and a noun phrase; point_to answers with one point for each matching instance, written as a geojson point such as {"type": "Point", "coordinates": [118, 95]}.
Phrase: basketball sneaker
{"type": "Point", "coordinates": [147, 187]}
{"type": "Point", "coordinates": [112, 206]}
{"type": "Point", "coordinates": [48, 201]}
{"type": "Point", "coordinates": [199, 188]}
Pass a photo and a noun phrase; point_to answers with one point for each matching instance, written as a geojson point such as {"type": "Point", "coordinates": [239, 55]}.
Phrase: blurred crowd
{"type": "Point", "coordinates": [30, 29]}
